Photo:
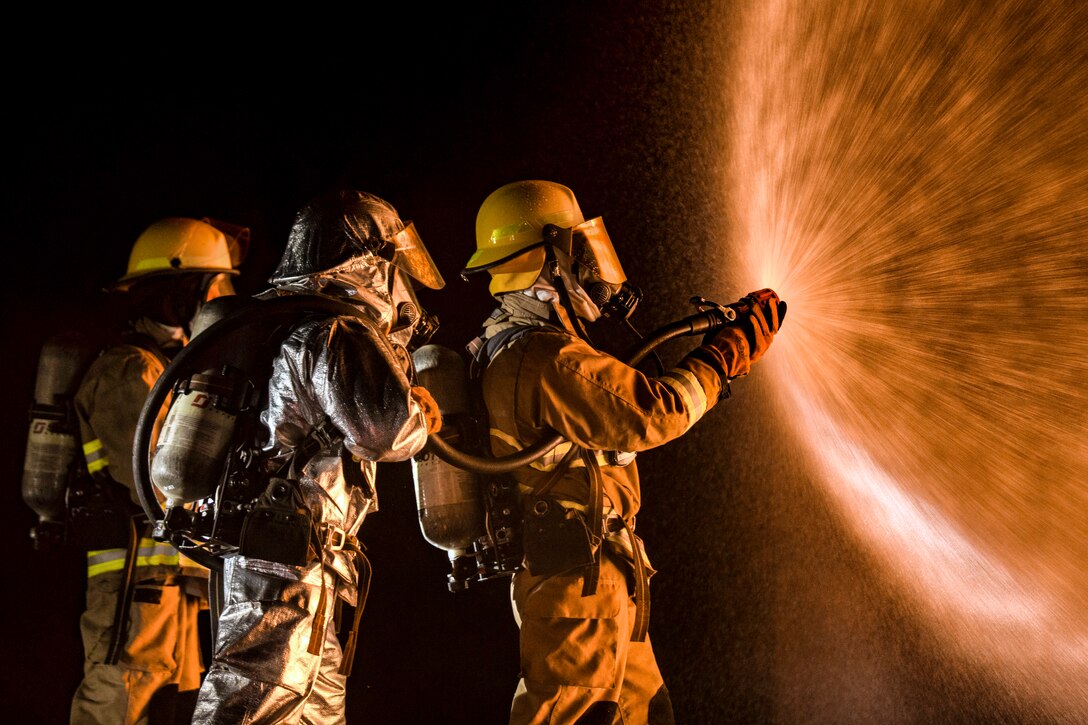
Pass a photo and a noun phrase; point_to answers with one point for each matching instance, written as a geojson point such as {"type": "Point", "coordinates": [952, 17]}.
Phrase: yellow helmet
{"type": "Point", "coordinates": [175, 245]}
{"type": "Point", "coordinates": [511, 221]}
{"type": "Point", "coordinates": [511, 235]}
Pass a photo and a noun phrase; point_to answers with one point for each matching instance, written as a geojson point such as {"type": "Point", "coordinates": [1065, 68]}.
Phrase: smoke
{"type": "Point", "coordinates": [912, 178]}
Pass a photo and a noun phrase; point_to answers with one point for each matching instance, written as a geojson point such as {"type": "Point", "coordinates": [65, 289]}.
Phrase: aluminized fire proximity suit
{"type": "Point", "coordinates": [339, 387]}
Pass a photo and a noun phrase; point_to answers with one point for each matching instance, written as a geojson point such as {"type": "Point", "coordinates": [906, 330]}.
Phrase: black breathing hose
{"type": "Point", "coordinates": [700, 323]}
{"type": "Point", "coordinates": [188, 361]}
{"type": "Point", "coordinates": [290, 307]}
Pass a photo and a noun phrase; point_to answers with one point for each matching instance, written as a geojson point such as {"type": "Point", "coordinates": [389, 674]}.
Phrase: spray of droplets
{"type": "Point", "coordinates": [912, 177]}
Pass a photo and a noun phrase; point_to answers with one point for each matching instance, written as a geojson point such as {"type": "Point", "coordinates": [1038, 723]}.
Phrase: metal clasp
{"type": "Point", "coordinates": [336, 538]}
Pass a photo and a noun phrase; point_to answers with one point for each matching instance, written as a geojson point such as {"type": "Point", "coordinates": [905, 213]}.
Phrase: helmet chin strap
{"type": "Point", "coordinates": [565, 309]}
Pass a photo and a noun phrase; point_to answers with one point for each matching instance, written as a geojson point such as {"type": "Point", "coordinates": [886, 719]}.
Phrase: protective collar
{"type": "Point", "coordinates": [362, 280]}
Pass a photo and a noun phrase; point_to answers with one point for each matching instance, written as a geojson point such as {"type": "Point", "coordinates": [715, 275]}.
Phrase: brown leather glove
{"type": "Point", "coordinates": [762, 325]}
{"type": "Point", "coordinates": [746, 340]}
{"type": "Point", "coordinates": [732, 352]}
{"type": "Point", "coordinates": [430, 408]}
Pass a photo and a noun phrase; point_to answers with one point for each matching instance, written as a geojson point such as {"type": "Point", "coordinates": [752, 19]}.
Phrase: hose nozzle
{"type": "Point", "coordinates": [713, 316]}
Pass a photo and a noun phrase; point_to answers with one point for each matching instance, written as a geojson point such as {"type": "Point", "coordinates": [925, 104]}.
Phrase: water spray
{"type": "Point", "coordinates": [915, 180]}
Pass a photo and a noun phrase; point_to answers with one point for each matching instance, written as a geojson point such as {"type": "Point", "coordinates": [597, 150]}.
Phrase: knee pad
{"type": "Point", "coordinates": [599, 713]}
{"type": "Point", "coordinates": [660, 710]}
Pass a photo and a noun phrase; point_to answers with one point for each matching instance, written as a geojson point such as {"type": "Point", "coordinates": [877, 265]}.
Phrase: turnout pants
{"type": "Point", "coordinates": [578, 663]}
{"type": "Point", "coordinates": [161, 652]}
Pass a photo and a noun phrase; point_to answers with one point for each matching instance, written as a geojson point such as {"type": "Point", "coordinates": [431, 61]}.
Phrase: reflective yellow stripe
{"type": "Point", "coordinates": [508, 439]}
{"type": "Point", "coordinates": [153, 263]}
{"type": "Point", "coordinates": [551, 459]}
{"type": "Point", "coordinates": [103, 560]}
{"type": "Point", "coordinates": [96, 456]}
{"type": "Point", "coordinates": [544, 463]}
{"type": "Point", "coordinates": [150, 553]}
{"type": "Point", "coordinates": [687, 387]}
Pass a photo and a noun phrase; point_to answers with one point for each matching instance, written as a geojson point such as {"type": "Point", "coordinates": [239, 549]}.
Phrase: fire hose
{"type": "Point", "coordinates": [710, 318]}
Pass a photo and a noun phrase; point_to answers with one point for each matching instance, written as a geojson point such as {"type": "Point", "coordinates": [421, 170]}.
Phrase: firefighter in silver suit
{"type": "Point", "coordinates": [340, 400]}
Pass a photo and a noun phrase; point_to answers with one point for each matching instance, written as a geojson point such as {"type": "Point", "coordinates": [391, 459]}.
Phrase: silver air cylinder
{"type": "Point", "coordinates": [52, 448]}
{"type": "Point", "coordinates": [191, 453]}
{"type": "Point", "coordinates": [451, 510]}
{"type": "Point", "coordinates": [192, 449]}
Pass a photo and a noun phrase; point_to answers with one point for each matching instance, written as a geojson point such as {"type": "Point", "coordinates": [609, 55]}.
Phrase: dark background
{"type": "Point", "coordinates": [764, 611]}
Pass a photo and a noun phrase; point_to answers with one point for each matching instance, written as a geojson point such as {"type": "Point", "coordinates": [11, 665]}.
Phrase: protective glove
{"type": "Point", "coordinates": [743, 342]}
{"type": "Point", "coordinates": [731, 348]}
{"type": "Point", "coordinates": [431, 412]}
{"type": "Point", "coordinates": [762, 323]}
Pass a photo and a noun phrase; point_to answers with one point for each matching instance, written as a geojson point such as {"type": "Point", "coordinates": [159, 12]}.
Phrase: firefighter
{"type": "Point", "coordinates": [581, 599]}
{"type": "Point", "coordinates": [340, 400]}
{"type": "Point", "coordinates": [140, 628]}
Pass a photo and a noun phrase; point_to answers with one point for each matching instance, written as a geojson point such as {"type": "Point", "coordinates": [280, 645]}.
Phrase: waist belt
{"type": "Point", "coordinates": [601, 524]}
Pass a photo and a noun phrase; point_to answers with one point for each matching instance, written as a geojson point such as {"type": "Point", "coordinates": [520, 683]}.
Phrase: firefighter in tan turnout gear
{"type": "Point", "coordinates": [140, 630]}
{"type": "Point", "coordinates": [581, 599]}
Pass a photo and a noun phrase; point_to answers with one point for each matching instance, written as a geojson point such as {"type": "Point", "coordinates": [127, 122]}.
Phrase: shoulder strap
{"type": "Point", "coordinates": [483, 350]}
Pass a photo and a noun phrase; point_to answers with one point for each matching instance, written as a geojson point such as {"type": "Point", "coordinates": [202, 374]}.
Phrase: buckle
{"type": "Point", "coordinates": [336, 538]}
{"type": "Point", "coordinates": [613, 524]}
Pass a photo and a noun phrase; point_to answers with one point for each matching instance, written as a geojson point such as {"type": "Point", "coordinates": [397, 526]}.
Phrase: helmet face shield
{"type": "Point", "coordinates": [410, 255]}
{"type": "Point", "coordinates": [592, 248]}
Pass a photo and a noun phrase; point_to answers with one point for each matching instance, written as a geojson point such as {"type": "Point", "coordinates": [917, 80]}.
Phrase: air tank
{"type": "Point", "coordinates": [53, 453]}
{"type": "Point", "coordinates": [449, 499]}
{"type": "Point", "coordinates": [190, 455]}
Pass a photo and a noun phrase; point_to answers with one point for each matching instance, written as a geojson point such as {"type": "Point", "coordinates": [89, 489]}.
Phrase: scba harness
{"type": "Point", "coordinates": [225, 492]}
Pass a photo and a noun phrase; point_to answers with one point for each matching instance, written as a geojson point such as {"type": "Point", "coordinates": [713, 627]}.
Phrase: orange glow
{"type": "Point", "coordinates": [914, 185]}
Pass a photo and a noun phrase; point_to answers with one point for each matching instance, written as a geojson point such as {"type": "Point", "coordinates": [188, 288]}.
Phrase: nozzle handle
{"type": "Point", "coordinates": [714, 316]}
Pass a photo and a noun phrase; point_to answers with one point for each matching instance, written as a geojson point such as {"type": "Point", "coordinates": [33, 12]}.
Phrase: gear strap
{"type": "Point", "coordinates": [557, 473]}
{"type": "Point", "coordinates": [641, 626]}
{"type": "Point", "coordinates": [365, 570]}
{"type": "Point", "coordinates": [595, 512]}
{"type": "Point", "coordinates": [124, 597]}
{"type": "Point", "coordinates": [338, 538]}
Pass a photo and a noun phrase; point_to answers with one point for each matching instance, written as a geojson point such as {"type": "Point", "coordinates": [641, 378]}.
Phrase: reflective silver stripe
{"type": "Point", "coordinates": [103, 560]}
{"type": "Point", "coordinates": [567, 504]}
{"type": "Point", "coordinates": [688, 387]}
{"type": "Point", "coordinates": [96, 456]}
{"type": "Point", "coordinates": [551, 459]}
